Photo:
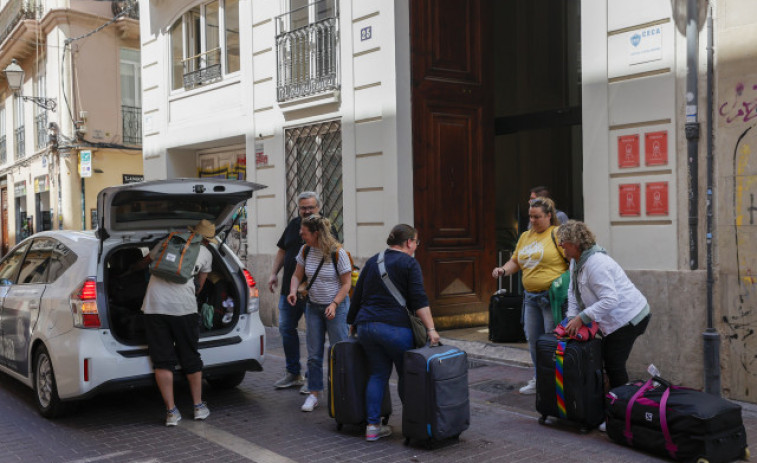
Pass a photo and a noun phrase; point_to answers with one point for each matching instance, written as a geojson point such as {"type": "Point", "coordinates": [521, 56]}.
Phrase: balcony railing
{"type": "Point", "coordinates": [15, 11]}
{"type": "Point", "coordinates": [307, 58]}
{"type": "Point", "coordinates": [202, 69]}
{"type": "Point", "coordinates": [40, 125]}
{"type": "Point", "coordinates": [20, 142]}
{"type": "Point", "coordinates": [132, 124]}
{"type": "Point", "coordinates": [3, 151]}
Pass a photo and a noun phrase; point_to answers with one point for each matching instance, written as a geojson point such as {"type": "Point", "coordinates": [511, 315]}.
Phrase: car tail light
{"type": "Point", "coordinates": [254, 302]}
{"type": "Point", "coordinates": [84, 305]}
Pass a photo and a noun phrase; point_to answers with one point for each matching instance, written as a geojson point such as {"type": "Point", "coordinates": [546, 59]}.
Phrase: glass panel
{"type": "Point", "coordinates": [324, 9]}
{"type": "Point", "coordinates": [177, 54]}
{"type": "Point", "coordinates": [212, 40]}
{"type": "Point", "coordinates": [34, 269]}
{"type": "Point", "coordinates": [231, 14]}
{"type": "Point", "coordinates": [128, 85]}
{"type": "Point", "coordinates": [298, 14]}
{"type": "Point", "coordinates": [63, 258]}
{"type": "Point", "coordinates": [9, 266]}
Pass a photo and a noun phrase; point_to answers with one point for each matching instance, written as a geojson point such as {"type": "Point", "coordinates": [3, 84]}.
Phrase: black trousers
{"type": "Point", "coordinates": [616, 347]}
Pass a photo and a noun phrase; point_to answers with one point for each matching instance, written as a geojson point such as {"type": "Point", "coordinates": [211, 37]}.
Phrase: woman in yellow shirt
{"type": "Point", "coordinates": [541, 261]}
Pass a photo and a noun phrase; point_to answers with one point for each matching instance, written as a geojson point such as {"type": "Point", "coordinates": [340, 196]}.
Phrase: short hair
{"type": "Point", "coordinates": [401, 233]}
{"type": "Point", "coordinates": [577, 233]}
{"type": "Point", "coordinates": [541, 191]}
{"type": "Point", "coordinates": [308, 195]}
{"type": "Point", "coordinates": [547, 206]}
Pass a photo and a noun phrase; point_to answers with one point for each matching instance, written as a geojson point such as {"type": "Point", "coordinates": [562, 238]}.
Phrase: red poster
{"type": "Point", "coordinates": [629, 200]}
{"type": "Point", "coordinates": [628, 151]}
{"type": "Point", "coordinates": [656, 148]}
{"type": "Point", "coordinates": [657, 198]}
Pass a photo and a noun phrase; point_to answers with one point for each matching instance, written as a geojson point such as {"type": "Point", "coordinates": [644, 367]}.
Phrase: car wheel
{"type": "Point", "coordinates": [45, 389]}
{"type": "Point", "coordinates": [228, 381]}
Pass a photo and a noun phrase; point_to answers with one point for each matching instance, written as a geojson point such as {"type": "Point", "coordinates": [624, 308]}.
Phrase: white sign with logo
{"type": "Point", "coordinates": [85, 163]}
{"type": "Point", "coordinates": [645, 45]}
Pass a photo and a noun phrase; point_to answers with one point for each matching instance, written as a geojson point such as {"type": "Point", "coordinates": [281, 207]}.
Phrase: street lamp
{"type": "Point", "coordinates": [15, 76]}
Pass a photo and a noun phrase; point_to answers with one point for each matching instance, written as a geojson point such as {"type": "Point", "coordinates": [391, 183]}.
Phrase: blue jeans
{"type": "Point", "coordinates": [318, 325]}
{"type": "Point", "coordinates": [537, 318]}
{"type": "Point", "coordinates": [384, 345]}
{"type": "Point", "coordinates": [289, 317]}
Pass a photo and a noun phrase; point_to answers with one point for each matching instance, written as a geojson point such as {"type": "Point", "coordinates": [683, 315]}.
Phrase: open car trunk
{"type": "Point", "coordinates": [125, 293]}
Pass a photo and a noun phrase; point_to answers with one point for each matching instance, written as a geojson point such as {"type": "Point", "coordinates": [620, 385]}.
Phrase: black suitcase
{"type": "Point", "coordinates": [436, 403]}
{"type": "Point", "coordinates": [570, 385]}
{"type": "Point", "coordinates": [695, 425]}
{"type": "Point", "coordinates": [348, 376]}
{"type": "Point", "coordinates": [504, 318]}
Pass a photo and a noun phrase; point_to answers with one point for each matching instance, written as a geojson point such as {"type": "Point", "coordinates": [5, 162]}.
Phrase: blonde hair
{"type": "Point", "coordinates": [547, 206]}
{"type": "Point", "coordinates": [321, 226]}
{"type": "Point", "coordinates": [577, 233]}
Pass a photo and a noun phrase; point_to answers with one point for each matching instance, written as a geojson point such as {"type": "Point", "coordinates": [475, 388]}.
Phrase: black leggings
{"type": "Point", "coordinates": [616, 347]}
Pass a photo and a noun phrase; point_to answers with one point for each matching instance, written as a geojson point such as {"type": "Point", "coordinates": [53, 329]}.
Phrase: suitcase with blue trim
{"type": "Point", "coordinates": [569, 380]}
{"type": "Point", "coordinates": [436, 400]}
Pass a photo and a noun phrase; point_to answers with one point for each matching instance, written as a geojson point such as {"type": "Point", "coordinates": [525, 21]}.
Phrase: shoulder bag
{"type": "Point", "coordinates": [420, 335]}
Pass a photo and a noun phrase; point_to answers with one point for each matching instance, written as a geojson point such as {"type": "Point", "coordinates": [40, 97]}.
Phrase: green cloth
{"type": "Point", "coordinates": [558, 293]}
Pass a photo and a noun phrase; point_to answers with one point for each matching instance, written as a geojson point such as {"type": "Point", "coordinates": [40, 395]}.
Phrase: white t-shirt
{"type": "Point", "coordinates": [169, 298]}
{"type": "Point", "coordinates": [327, 282]}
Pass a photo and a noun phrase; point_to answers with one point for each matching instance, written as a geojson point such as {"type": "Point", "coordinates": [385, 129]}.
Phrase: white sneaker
{"type": "Point", "coordinates": [173, 417]}
{"type": "Point", "coordinates": [529, 388]}
{"type": "Point", "coordinates": [310, 403]}
{"type": "Point", "coordinates": [603, 427]}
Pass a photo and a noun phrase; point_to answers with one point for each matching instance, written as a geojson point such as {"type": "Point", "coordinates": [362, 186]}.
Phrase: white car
{"type": "Point", "coordinates": [70, 318]}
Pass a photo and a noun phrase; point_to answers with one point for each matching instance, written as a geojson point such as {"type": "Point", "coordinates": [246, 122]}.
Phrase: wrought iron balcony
{"type": "Point", "coordinates": [132, 124]}
{"type": "Point", "coordinates": [15, 11]}
{"type": "Point", "coordinates": [20, 142]}
{"type": "Point", "coordinates": [202, 69]}
{"type": "Point", "coordinates": [3, 151]}
{"type": "Point", "coordinates": [307, 57]}
{"type": "Point", "coordinates": [40, 125]}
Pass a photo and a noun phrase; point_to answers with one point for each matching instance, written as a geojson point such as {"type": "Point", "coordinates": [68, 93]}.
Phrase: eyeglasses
{"type": "Point", "coordinates": [307, 208]}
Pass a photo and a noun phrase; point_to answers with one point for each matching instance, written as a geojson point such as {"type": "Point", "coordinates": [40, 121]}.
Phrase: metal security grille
{"type": "Point", "coordinates": [40, 127]}
{"type": "Point", "coordinates": [314, 163]}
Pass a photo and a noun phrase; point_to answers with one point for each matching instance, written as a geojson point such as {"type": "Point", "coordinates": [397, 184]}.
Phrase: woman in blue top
{"type": "Point", "coordinates": [383, 325]}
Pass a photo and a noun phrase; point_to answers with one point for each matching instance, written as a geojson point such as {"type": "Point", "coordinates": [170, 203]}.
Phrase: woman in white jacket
{"type": "Point", "coordinates": [600, 291]}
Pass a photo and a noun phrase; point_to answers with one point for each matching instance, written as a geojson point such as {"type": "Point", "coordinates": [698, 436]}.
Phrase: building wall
{"type": "Point", "coordinates": [87, 79]}
{"type": "Point", "coordinates": [735, 178]}
{"type": "Point", "coordinates": [639, 91]}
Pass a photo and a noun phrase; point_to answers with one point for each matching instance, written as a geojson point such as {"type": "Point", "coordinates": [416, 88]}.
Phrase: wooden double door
{"type": "Point", "coordinates": [453, 159]}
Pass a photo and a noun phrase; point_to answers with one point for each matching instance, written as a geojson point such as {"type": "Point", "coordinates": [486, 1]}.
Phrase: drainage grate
{"type": "Point", "coordinates": [494, 386]}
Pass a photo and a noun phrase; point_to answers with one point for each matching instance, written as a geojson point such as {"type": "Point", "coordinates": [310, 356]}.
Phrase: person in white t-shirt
{"type": "Point", "coordinates": [172, 327]}
{"type": "Point", "coordinates": [327, 266]}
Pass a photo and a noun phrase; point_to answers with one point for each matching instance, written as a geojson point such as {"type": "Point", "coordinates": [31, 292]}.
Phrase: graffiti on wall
{"type": "Point", "coordinates": [742, 322]}
{"type": "Point", "coordinates": [741, 106]}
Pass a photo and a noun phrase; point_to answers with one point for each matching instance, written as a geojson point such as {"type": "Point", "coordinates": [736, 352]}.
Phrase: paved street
{"type": "Point", "coordinates": [258, 423]}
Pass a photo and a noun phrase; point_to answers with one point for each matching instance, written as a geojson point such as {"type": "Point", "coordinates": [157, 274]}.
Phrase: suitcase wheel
{"type": "Point", "coordinates": [746, 455]}
{"type": "Point", "coordinates": [339, 426]}
{"type": "Point", "coordinates": [542, 419]}
{"type": "Point", "coordinates": [583, 430]}
{"type": "Point", "coordinates": [407, 441]}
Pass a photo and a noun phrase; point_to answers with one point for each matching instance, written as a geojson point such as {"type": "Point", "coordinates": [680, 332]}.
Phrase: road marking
{"type": "Point", "coordinates": [102, 457]}
{"type": "Point", "coordinates": [234, 443]}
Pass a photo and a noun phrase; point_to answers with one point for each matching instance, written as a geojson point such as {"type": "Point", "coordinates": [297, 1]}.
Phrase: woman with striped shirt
{"type": "Point", "coordinates": [327, 266]}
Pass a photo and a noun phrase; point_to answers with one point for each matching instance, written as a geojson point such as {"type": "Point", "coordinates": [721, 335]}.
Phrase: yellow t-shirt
{"type": "Point", "coordinates": [539, 259]}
